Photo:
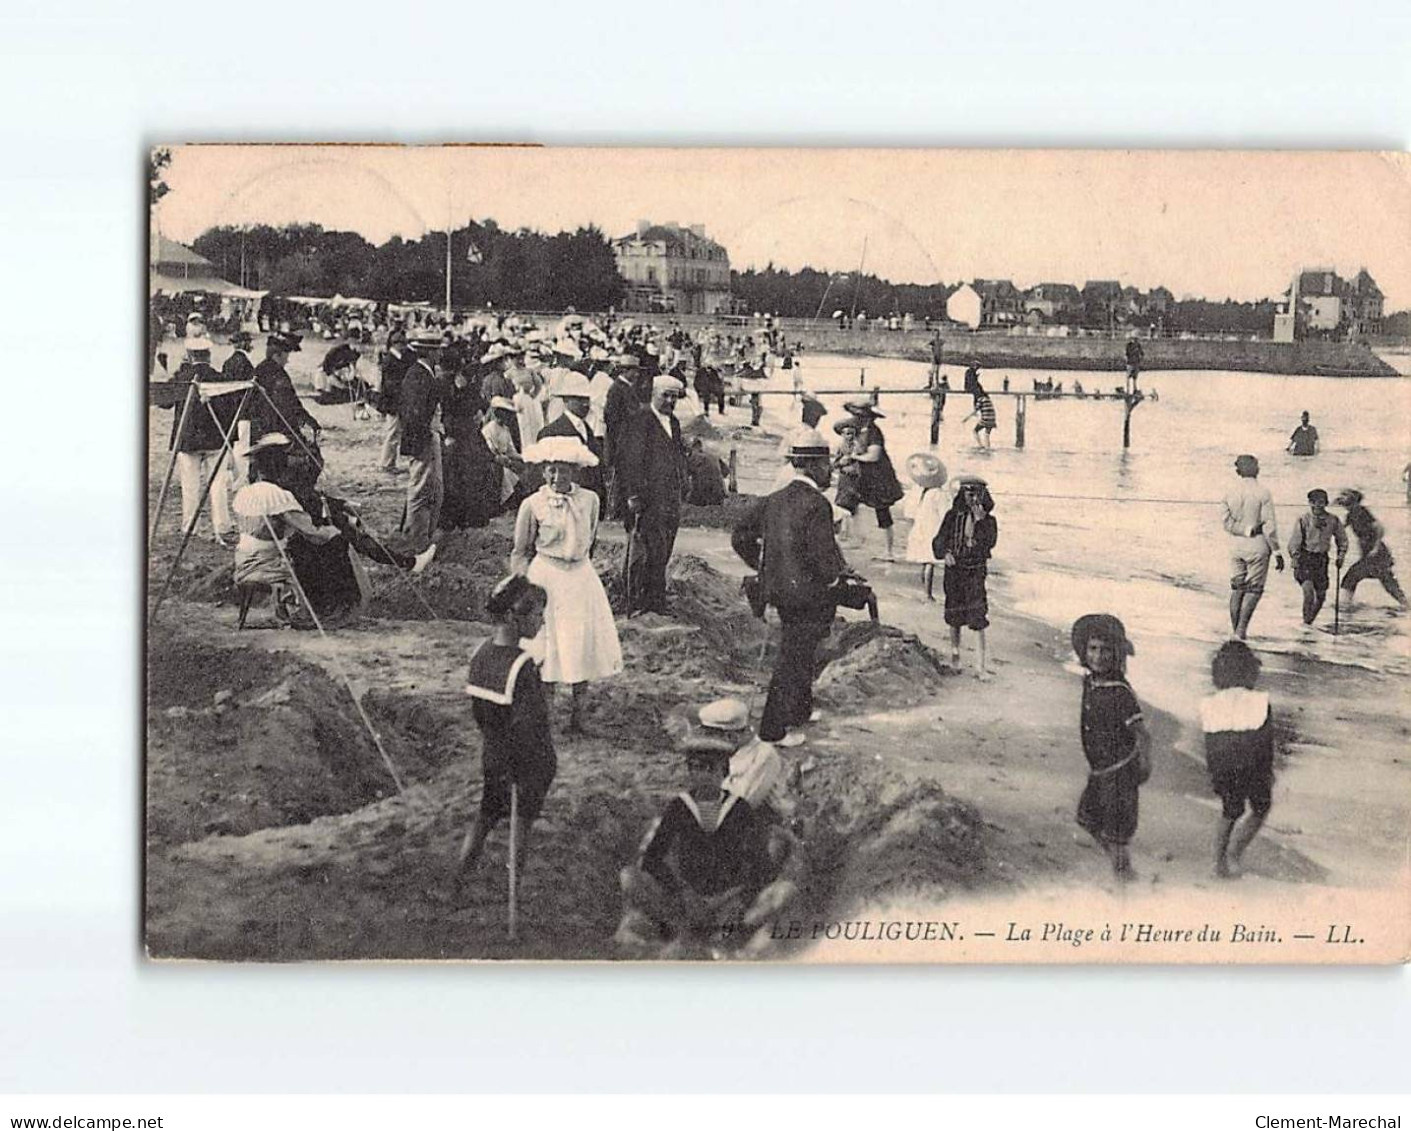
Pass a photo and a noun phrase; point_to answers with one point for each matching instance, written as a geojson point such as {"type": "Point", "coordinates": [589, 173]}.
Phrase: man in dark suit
{"type": "Point", "coordinates": [239, 367]}
{"type": "Point", "coordinates": [420, 397]}
{"type": "Point", "coordinates": [573, 390]}
{"type": "Point", "coordinates": [788, 538]}
{"type": "Point", "coordinates": [652, 468]}
{"type": "Point", "coordinates": [623, 402]}
{"type": "Point", "coordinates": [279, 409]}
{"type": "Point", "coordinates": [394, 364]}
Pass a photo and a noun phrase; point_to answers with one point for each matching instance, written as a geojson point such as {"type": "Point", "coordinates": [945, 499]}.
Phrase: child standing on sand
{"type": "Point", "coordinates": [928, 509]}
{"type": "Point", "coordinates": [1239, 751]}
{"type": "Point", "coordinates": [967, 536]}
{"type": "Point", "coordinates": [1115, 739]}
{"type": "Point", "coordinates": [513, 716]}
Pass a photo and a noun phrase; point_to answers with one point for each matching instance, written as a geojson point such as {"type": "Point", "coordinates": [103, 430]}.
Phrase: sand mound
{"type": "Point", "coordinates": [921, 842]}
{"type": "Point", "coordinates": [872, 664]}
{"type": "Point", "coordinates": [239, 742]}
{"type": "Point", "coordinates": [701, 427]}
{"type": "Point", "coordinates": [722, 517]}
{"type": "Point", "coordinates": [467, 566]}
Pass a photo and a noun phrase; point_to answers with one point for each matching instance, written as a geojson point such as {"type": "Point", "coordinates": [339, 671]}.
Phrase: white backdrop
{"type": "Point", "coordinates": [86, 91]}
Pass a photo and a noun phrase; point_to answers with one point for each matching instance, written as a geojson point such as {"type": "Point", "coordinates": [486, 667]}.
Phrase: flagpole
{"type": "Point", "coordinates": [857, 288]}
{"type": "Point", "coordinates": [448, 253]}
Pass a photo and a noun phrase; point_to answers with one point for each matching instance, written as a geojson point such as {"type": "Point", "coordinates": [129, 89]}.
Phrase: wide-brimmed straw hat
{"type": "Point", "coordinates": [560, 449]}
{"type": "Point", "coordinates": [573, 384]}
{"type": "Point", "coordinates": [926, 470]}
{"type": "Point", "coordinates": [864, 408]}
{"type": "Point", "coordinates": [1103, 625]}
{"type": "Point", "coordinates": [265, 442]}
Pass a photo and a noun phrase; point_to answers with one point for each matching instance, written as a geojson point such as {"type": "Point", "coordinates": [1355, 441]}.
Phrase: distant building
{"type": "Point", "coordinates": [1364, 304]}
{"type": "Point", "coordinates": [1001, 302]}
{"type": "Point", "coordinates": [171, 260]}
{"type": "Point", "coordinates": [1323, 302]}
{"type": "Point", "coordinates": [1102, 301]}
{"type": "Point", "coordinates": [1053, 302]}
{"type": "Point", "coordinates": [964, 305]}
{"type": "Point", "coordinates": [1159, 301]}
{"type": "Point", "coordinates": [668, 268]}
{"type": "Point", "coordinates": [1320, 293]}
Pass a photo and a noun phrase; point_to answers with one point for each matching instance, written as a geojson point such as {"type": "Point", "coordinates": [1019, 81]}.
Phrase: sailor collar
{"type": "Point", "coordinates": [498, 671]}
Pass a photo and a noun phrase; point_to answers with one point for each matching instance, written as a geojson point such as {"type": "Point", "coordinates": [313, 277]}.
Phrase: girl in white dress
{"type": "Point", "coordinates": [553, 537]}
{"type": "Point", "coordinates": [928, 506]}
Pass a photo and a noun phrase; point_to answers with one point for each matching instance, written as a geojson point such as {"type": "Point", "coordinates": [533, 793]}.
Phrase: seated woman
{"type": "Point", "coordinates": [553, 540]}
{"type": "Point", "coordinates": [323, 547]}
{"type": "Point", "coordinates": [266, 515]}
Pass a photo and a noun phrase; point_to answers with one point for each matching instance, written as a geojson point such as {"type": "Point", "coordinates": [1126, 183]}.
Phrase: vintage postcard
{"type": "Point", "coordinates": [777, 555]}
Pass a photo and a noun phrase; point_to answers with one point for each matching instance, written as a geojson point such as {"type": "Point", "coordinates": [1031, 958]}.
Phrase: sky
{"type": "Point", "coordinates": [1212, 224]}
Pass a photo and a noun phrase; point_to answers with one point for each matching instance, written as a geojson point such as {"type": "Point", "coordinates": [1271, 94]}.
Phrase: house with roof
{"type": "Point", "coordinates": [1364, 304]}
{"type": "Point", "coordinates": [668, 267]}
{"type": "Point", "coordinates": [1053, 302]}
{"type": "Point", "coordinates": [1001, 302]}
{"type": "Point", "coordinates": [1320, 298]}
{"type": "Point", "coordinates": [1102, 302]}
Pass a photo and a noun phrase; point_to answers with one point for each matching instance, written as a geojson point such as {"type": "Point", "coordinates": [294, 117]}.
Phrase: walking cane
{"type": "Point", "coordinates": [627, 568]}
{"type": "Point", "coordinates": [513, 864]}
{"type": "Point", "coordinates": [1337, 594]}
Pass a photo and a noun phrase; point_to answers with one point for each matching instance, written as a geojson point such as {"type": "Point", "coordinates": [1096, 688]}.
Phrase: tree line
{"type": "Point", "coordinates": [530, 270]}
{"type": "Point", "coordinates": [520, 270]}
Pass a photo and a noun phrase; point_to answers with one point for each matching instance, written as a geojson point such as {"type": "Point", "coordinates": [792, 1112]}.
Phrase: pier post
{"type": "Point", "coordinates": [731, 481]}
{"type": "Point", "coordinates": [1021, 412]}
{"type": "Point", "coordinates": [935, 418]}
{"type": "Point", "coordinates": [862, 378]}
{"type": "Point", "coordinates": [1127, 422]}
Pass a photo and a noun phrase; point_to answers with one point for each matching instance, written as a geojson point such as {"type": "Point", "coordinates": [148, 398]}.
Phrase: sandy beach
{"type": "Point", "coordinates": [276, 833]}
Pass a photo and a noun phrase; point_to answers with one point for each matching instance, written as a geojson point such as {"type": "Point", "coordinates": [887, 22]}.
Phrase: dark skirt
{"type": "Point", "coordinates": [967, 603]}
{"type": "Point", "coordinates": [878, 486]}
{"type": "Point", "coordinates": [472, 484]}
{"type": "Point", "coordinates": [325, 573]}
{"type": "Point", "coordinates": [1108, 807]}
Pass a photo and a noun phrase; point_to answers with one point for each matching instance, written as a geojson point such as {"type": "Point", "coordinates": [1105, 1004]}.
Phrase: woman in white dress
{"type": "Point", "coordinates": [553, 537]}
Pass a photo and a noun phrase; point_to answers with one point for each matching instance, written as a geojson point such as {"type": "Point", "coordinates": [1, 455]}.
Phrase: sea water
{"type": "Point", "coordinates": [1087, 526]}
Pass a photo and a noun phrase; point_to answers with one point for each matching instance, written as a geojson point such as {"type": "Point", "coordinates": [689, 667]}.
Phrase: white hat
{"type": "Point", "coordinates": [725, 714]}
{"type": "Point", "coordinates": [665, 383]}
{"type": "Point", "coordinates": [567, 348]}
{"type": "Point", "coordinates": [198, 345]}
{"type": "Point", "coordinates": [560, 449]}
{"type": "Point", "coordinates": [572, 384]}
{"type": "Point", "coordinates": [503, 402]}
{"type": "Point", "coordinates": [268, 440]}
{"type": "Point", "coordinates": [597, 353]}
{"type": "Point", "coordinates": [808, 443]}
{"type": "Point", "coordinates": [926, 470]}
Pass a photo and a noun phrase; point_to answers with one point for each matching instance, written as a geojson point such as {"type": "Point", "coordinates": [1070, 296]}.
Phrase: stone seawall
{"type": "Point", "coordinates": [1001, 351]}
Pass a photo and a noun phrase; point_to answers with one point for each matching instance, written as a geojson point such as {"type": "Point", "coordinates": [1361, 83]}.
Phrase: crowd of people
{"type": "Point", "coordinates": [568, 427]}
